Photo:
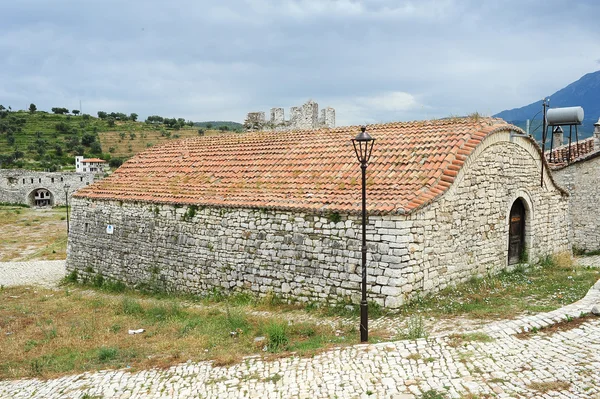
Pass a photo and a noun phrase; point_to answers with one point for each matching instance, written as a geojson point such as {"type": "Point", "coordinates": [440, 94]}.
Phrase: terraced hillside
{"type": "Point", "coordinates": [124, 143]}
{"type": "Point", "coordinates": [40, 140]}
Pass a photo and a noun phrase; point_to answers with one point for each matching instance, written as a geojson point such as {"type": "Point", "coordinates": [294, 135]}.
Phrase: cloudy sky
{"type": "Point", "coordinates": [372, 60]}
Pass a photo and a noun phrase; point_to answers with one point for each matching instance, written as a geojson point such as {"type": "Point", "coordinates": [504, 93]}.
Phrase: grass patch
{"type": "Point", "coordinates": [48, 341]}
{"type": "Point", "coordinates": [549, 285]}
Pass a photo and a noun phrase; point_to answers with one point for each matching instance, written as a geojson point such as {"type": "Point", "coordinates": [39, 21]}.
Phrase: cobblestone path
{"type": "Point", "coordinates": [560, 364]}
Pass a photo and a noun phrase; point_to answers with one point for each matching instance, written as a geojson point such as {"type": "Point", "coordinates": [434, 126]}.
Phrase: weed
{"type": "Point", "coordinates": [131, 306]}
{"type": "Point", "coordinates": [568, 318]}
{"type": "Point", "coordinates": [190, 213]}
{"type": "Point", "coordinates": [334, 217]}
{"type": "Point", "coordinates": [415, 328]}
{"type": "Point", "coordinates": [271, 299]}
{"type": "Point", "coordinates": [106, 354]}
{"type": "Point", "coordinates": [433, 394]}
{"type": "Point", "coordinates": [375, 310]}
{"type": "Point", "coordinates": [71, 277]}
{"type": "Point", "coordinates": [98, 280]}
{"type": "Point", "coordinates": [277, 335]}
{"type": "Point", "coordinates": [237, 321]}
{"type": "Point", "coordinates": [29, 345]}
{"type": "Point", "coordinates": [115, 328]}
{"type": "Point", "coordinates": [458, 339]}
{"type": "Point", "coordinates": [274, 378]}
{"type": "Point", "coordinates": [547, 386]}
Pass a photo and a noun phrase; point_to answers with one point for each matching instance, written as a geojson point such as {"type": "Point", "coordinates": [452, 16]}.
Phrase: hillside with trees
{"type": "Point", "coordinates": [41, 140]}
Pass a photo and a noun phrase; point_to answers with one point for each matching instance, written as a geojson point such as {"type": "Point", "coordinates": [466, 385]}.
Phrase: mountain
{"type": "Point", "coordinates": [585, 92]}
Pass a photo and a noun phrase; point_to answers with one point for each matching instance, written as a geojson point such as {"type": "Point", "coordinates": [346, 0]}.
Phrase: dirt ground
{"type": "Point", "coordinates": [32, 233]}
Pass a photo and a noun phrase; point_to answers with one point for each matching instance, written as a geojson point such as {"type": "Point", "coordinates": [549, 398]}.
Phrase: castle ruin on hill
{"type": "Point", "coordinates": [304, 117]}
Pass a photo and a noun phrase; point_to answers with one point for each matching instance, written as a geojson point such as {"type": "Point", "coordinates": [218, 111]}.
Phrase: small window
{"type": "Point", "coordinates": [61, 179]}
{"type": "Point", "coordinates": [23, 181]}
{"type": "Point", "coordinates": [40, 180]}
{"type": "Point", "coordinates": [52, 179]}
{"type": "Point", "coordinates": [85, 228]}
{"type": "Point", "coordinates": [81, 178]}
{"type": "Point", "coordinates": [87, 183]}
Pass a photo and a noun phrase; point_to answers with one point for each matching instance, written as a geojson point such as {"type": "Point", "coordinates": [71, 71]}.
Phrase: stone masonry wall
{"type": "Point", "coordinates": [465, 232]}
{"type": "Point", "coordinates": [16, 185]}
{"type": "Point", "coordinates": [312, 257]}
{"type": "Point", "coordinates": [581, 179]}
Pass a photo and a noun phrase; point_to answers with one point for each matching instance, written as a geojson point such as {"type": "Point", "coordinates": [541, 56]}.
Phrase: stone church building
{"type": "Point", "coordinates": [280, 212]}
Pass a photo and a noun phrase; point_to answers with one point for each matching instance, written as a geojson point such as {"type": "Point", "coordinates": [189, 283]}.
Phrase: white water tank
{"type": "Point", "coordinates": [564, 116]}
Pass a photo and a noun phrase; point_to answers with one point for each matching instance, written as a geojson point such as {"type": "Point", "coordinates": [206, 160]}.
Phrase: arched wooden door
{"type": "Point", "coordinates": [516, 232]}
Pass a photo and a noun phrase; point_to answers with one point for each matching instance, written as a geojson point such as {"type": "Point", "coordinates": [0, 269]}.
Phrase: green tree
{"type": "Point", "coordinates": [60, 110]}
{"type": "Point", "coordinates": [133, 116]}
{"type": "Point", "coordinates": [96, 148]}
{"type": "Point", "coordinates": [115, 162]}
{"type": "Point", "coordinates": [87, 139]}
{"type": "Point", "coordinates": [75, 112]}
{"type": "Point", "coordinates": [110, 121]}
{"type": "Point", "coordinates": [102, 114]}
{"type": "Point", "coordinates": [32, 108]}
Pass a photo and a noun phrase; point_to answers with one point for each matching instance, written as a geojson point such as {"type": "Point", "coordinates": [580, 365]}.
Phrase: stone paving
{"type": "Point", "coordinates": [46, 273]}
{"type": "Point", "coordinates": [562, 364]}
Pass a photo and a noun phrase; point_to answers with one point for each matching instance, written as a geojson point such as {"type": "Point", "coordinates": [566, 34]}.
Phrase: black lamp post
{"type": "Point", "coordinates": [363, 145]}
{"type": "Point", "coordinates": [67, 203]}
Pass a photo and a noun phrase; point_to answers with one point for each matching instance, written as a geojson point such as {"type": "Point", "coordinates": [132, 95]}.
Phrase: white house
{"type": "Point", "coordinates": [90, 165]}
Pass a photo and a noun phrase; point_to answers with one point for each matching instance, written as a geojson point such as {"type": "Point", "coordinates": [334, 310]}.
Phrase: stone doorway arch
{"type": "Point", "coordinates": [516, 232]}
{"type": "Point", "coordinates": [41, 197]}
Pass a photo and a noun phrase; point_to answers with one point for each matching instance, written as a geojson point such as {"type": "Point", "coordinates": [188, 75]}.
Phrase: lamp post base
{"type": "Point", "coordinates": [364, 321]}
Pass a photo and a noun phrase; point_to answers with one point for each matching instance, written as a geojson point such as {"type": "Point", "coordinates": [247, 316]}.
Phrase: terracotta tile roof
{"type": "Point", "coordinates": [559, 157]}
{"type": "Point", "coordinates": [93, 160]}
{"type": "Point", "coordinates": [412, 164]}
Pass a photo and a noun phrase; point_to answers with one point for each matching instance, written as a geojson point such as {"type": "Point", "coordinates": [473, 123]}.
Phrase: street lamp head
{"type": "Point", "coordinates": [363, 135]}
{"type": "Point", "coordinates": [67, 187]}
{"type": "Point", "coordinates": [363, 145]}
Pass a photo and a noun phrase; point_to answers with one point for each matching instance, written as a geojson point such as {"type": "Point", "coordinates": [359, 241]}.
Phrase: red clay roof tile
{"type": "Point", "coordinates": [412, 164]}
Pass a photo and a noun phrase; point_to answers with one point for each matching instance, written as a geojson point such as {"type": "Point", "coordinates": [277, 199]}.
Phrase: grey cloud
{"type": "Point", "coordinates": [217, 60]}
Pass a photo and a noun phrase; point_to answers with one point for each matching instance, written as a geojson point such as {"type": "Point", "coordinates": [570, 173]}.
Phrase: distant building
{"type": "Point", "coordinates": [304, 117]}
{"type": "Point", "coordinates": [90, 165]}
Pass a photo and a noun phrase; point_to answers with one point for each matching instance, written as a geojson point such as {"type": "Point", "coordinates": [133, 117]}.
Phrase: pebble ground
{"type": "Point", "coordinates": [559, 364]}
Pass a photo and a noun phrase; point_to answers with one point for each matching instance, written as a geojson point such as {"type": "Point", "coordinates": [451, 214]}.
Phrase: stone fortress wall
{"type": "Point", "coordinates": [316, 256]}
{"type": "Point", "coordinates": [306, 116]}
{"type": "Point", "coordinates": [18, 186]}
